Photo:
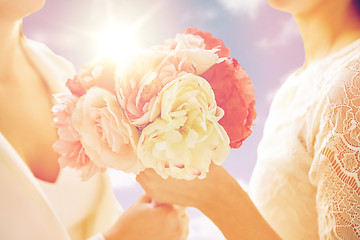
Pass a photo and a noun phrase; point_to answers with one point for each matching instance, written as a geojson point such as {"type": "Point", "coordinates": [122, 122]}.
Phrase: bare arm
{"type": "Point", "coordinates": [218, 196]}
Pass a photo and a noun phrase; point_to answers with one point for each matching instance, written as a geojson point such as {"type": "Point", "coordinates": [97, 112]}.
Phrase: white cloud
{"type": "Point", "coordinates": [250, 7]}
{"type": "Point", "coordinates": [288, 31]}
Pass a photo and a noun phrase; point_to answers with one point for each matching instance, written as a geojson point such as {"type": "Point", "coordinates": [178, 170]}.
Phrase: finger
{"type": "Point", "coordinates": [180, 208]}
{"type": "Point", "coordinates": [144, 184]}
{"type": "Point", "coordinates": [148, 178]}
{"type": "Point", "coordinates": [144, 198]}
{"type": "Point", "coordinates": [182, 212]}
{"type": "Point", "coordinates": [163, 205]}
{"type": "Point", "coordinates": [166, 209]}
{"type": "Point", "coordinates": [140, 178]}
{"type": "Point", "coordinates": [144, 175]}
{"type": "Point", "coordinates": [149, 173]}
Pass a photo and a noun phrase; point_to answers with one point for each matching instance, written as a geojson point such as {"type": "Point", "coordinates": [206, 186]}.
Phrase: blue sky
{"type": "Point", "coordinates": [266, 43]}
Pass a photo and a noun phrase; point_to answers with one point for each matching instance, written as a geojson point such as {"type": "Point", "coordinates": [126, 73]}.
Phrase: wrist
{"type": "Point", "coordinates": [233, 212]}
{"type": "Point", "coordinates": [227, 192]}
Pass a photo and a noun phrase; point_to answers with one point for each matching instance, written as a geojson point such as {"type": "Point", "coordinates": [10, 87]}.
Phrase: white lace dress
{"type": "Point", "coordinates": [306, 182]}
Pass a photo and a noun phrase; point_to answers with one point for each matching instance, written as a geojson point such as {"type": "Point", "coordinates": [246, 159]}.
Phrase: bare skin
{"type": "Point", "coordinates": [218, 196]}
{"type": "Point", "coordinates": [326, 26]}
{"type": "Point", "coordinates": [25, 105]}
{"type": "Point", "coordinates": [143, 218]}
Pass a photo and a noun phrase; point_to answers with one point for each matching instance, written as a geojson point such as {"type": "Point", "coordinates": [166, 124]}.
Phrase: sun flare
{"type": "Point", "coordinates": [117, 42]}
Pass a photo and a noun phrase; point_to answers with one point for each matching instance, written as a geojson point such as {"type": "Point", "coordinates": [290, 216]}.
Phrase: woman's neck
{"type": "Point", "coordinates": [11, 53]}
{"type": "Point", "coordinates": [327, 29]}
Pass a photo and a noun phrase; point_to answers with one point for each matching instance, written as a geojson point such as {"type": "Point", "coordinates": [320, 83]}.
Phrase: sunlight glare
{"type": "Point", "coordinates": [117, 42]}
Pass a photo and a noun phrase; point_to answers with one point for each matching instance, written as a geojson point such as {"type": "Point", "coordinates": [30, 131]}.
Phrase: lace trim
{"type": "Point", "coordinates": [338, 197]}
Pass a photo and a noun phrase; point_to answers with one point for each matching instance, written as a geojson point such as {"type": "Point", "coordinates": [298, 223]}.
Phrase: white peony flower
{"type": "Point", "coordinates": [186, 137]}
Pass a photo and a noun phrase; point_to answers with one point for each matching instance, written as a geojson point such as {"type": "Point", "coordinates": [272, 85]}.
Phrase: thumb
{"type": "Point", "coordinates": [164, 205]}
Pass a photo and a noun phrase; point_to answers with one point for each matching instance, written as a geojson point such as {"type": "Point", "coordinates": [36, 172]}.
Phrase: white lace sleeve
{"type": "Point", "coordinates": [337, 159]}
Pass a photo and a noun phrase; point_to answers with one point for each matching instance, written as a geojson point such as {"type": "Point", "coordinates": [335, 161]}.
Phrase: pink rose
{"type": "Point", "coordinates": [99, 74]}
{"type": "Point", "coordinates": [108, 139]}
{"type": "Point", "coordinates": [68, 145]}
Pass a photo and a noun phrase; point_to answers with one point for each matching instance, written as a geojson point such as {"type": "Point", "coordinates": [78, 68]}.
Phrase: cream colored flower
{"type": "Point", "coordinates": [186, 137]}
{"type": "Point", "coordinates": [107, 137]}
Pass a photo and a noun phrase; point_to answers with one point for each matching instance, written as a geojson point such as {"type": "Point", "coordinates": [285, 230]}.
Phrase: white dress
{"type": "Point", "coordinates": [33, 209]}
{"type": "Point", "coordinates": [306, 182]}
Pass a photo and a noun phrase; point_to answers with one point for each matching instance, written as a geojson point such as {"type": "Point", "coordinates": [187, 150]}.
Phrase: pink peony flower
{"type": "Point", "coordinates": [185, 41]}
{"type": "Point", "coordinates": [139, 84]}
{"type": "Point", "coordinates": [99, 74]}
{"type": "Point", "coordinates": [210, 42]}
{"type": "Point", "coordinates": [193, 38]}
{"type": "Point", "coordinates": [235, 94]}
{"type": "Point", "coordinates": [68, 145]}
{"type": "Point", "coordinates": [108, 139]}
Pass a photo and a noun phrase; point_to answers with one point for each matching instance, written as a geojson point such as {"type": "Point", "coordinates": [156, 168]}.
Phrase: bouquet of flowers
{"type": "Point", "coordinates": [175, 108]}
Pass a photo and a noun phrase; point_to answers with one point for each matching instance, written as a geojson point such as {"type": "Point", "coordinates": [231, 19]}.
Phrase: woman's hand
{"type": "Point", "coordinates": [219, 196]}
{"type": "Point", "coordinates": [194, 193]}
{"type": "Point", "coordinates": [147, 221]}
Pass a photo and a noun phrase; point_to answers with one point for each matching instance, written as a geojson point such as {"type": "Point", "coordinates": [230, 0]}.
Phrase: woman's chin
{"type": "Point", "coordinates": [18, 9]}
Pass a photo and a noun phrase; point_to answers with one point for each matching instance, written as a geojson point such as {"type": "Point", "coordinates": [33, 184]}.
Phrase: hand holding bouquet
{"type": "Point", "coordinates": [174, 108]}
